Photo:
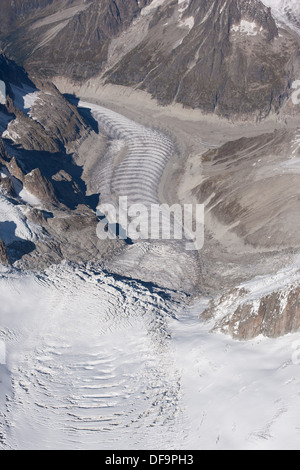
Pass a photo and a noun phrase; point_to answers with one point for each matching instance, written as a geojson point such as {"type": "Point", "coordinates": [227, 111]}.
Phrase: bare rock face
{"type": "Point", "coordinates": [15, 169]}
{"type": "Point", "coordinates": [36, 216]}
{"type": "Point", "coordinates": [96, 21]}
{"type": "Point", "coordinates": [50, 213]}
{"type": "Point", "coordinates": [12, 11]}
{"type": "Point", "coordinates": [40, 187]}
{"type": "Point", "coordinates": [223, 63]}
{"type": "Point", "coordinates": [233, 177]}
{"type": "Point", "coordinates": [244, 317]}
{"type": "Point", "coordinates": [4, 157]}
{"type": "Point", "coordinates": [4, 257]}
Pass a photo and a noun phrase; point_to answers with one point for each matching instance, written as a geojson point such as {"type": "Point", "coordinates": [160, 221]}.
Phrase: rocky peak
{"type": "Point", "coordinates": [216, 55]}
{"type": "Point", "coordinates": [15, 170]}
{"type": "Point", "coordinates": [245, 315]}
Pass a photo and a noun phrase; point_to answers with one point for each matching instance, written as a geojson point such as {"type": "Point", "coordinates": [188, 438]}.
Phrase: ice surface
{"type": "Point", "coordinates": [286, 11]}
{"type": "Point", "coordinates": [90, 362]}
{"type": "Point", "coordinates": [145, 155]}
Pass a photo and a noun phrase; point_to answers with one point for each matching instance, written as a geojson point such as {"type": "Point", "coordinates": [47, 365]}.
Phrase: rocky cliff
{"type": "Point", "coordinates": [223, 56]}
{"type": "Point", "coordinates": [223, 62]}
{"type": "Point", "coordinates": [268, 306]}
{"type": "Point", "coordinates": [45, 212]}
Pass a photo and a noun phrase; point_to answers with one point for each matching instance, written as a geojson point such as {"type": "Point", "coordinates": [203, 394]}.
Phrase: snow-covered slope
{"type": "Point", "coordinates": [266, 305]}
{"type": "Point", "coordinates": [237, 395]}
{"type": "Point", "coordinates": [97, 362]}
{"type": "Point", "coordinates": [287, 11]}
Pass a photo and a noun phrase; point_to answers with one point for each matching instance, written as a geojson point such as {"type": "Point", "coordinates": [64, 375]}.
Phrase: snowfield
{"type": "Point", "coordinates": [95, 361]}
{"type": "Point", "coordinates": [90, 362]}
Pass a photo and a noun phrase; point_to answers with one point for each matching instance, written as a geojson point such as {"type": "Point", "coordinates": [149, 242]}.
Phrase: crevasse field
{"type": "Point", "coordinates": [97, 361]}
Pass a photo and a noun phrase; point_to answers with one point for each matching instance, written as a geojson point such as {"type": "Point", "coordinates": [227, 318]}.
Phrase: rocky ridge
{"type": "Point", "coordinates": [267, 306]}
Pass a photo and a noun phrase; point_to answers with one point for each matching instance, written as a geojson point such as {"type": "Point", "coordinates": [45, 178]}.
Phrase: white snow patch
{"type": "Point", "coordinates": [285, 12]}
{"type": "Point", "coordinates": [29, 198]}
{"type": "Point", "coordinates": [2, 92]}
{"type": "Point", "coordinates": [10, 133]}
{"type": "Point", "coordinates": [25, 98]}
{"type": "Point", "coordinates": [262, 286]}
{"type": "Point", "coordinates": [246, 27]}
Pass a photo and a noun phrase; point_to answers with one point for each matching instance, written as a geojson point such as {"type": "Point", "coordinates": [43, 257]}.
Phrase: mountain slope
{"type": "Point", "coordinates": [229, 60]}
{"type": "Point", "coordinates": [222, 56]}
{"type": "Point", "coordinates": [70, 39]}
{"type": "Point", "coordinates": [46, 214]}
{"type": "Point", "coordinates": [286, 11]}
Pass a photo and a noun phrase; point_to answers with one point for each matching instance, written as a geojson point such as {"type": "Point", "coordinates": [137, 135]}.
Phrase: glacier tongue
{"type": "Point", "coordinates": [145, 154]}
